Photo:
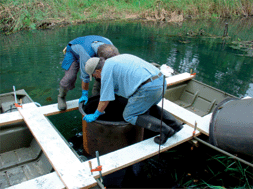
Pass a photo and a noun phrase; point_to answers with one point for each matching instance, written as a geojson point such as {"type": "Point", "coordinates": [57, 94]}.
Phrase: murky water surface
{"type": "Point", "coordinates": [31, 60]}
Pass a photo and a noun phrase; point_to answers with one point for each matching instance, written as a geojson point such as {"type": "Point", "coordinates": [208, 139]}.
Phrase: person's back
{"type": "Point", "coordinates": [128, 72]}
{"type": "Point", "coordinates": [86, 43]}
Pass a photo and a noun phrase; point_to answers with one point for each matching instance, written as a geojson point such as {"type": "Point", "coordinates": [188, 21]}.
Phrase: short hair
{"type": "Point", "coordinates": [107, 51]}
{"type": "Point", "coordinates": [101, 63]}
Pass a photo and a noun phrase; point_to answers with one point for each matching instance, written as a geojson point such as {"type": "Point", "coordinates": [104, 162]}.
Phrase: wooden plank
{"type": "Point", "coordinates": [187, 116]}
{"type": "Point", "coordinates": [65, 163]}
{"type": "Point", "coordinates": [49, 181]}
{"type": "Point", "coordinates": [179, 78]}
{"type": "Point", "coordinates": [15, 117]}
{"type": "Point", "coordinates": [53, 108]}
{"type": "Point", "coordinates": [203, 124]}
{"type": "Point", "coordinates": [9, 118]}
{"type": "Point", "coordinates": [138, 152]}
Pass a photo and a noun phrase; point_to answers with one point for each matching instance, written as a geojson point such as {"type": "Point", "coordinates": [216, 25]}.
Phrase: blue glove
{"type": "Point", "coordinates": [84, 97]}
{"type": "Point", "coordinates": [92, 117]}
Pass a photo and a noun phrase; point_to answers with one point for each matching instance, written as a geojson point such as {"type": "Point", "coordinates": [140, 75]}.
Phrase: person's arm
{"type": "Point", "coordinates": [102, 105]}
{"type": "Point", "coordinates": [85, 91]}
{"type": "Point", "coordinates": [100, 110]}
{"type": "Point", "coordinates": [85, 86]}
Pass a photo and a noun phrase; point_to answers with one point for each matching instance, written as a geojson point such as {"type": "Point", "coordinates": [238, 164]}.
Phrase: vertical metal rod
{"type": "Point", "coordinates": [195, 128]}
{"type": "Point", "coordinates": [14, 90]}
{"type": "Point", "coordinates": [97, 155]}
{"type": "Point", "coordinates": [100, 184]}
{"type": "Point", "coordinates": [90, 165]}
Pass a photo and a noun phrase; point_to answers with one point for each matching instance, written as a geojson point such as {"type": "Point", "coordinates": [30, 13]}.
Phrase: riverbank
{"type": "Point", "coordinates": [41, 14]}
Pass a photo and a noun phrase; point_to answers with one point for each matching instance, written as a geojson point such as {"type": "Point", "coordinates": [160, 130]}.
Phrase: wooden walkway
{"type": "Point", "coordinates": [16, 117]}
{"type": "Point", "coordinates": [188, 117]}
{"type": "Point", "coordinates": [69, 171]}
{"type": "Point", "coordinates": [64, 161]}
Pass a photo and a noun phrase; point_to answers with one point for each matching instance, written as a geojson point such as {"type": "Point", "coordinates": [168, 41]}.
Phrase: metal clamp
{"type": "Point", "coordinates": [15, 97]}
{"type": "Point", "coordinates": [99, 169]}
{"type": "Point", "coordinates": [195, 128]}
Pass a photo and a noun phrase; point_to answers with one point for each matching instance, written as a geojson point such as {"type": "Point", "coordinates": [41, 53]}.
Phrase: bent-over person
{"type": "Point", "coordinates": [77, 52]}
{"type": "Point", "coordinates": [142, 84]}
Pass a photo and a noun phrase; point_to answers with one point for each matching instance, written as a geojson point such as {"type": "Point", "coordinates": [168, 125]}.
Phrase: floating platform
{"type": "Point", "coordinates": [70, 172]}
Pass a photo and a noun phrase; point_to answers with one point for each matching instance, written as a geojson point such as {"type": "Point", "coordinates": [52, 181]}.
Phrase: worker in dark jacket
{"type": "Point", "coordinates": [142, 84]}
{"type": "Point", "coordinates": [77, 52]}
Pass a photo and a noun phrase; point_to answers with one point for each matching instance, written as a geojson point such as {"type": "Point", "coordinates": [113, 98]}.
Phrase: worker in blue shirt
{"type": "Point", "coordinates": [141, 83]}
{"type": "Point", "coordinates": [77, 52]}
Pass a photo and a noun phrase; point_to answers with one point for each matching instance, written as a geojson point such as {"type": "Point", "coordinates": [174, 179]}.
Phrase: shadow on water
{"type": "Point", "coordinates": [31, 60]}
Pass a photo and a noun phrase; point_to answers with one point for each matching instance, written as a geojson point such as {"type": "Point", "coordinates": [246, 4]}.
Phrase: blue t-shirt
{"type": "Point", "coordinates": [123, 74]}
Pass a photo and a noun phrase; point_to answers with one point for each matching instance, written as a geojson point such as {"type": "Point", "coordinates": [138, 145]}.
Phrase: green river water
{"type": "Point", "coordinates": [31, 60]}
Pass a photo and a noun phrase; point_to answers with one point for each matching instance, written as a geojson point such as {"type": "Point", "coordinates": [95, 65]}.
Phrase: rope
{"type": "Point", "coordinates": [161, 119]}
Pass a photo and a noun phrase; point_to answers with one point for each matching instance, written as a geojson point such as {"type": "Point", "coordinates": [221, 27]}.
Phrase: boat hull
{"type": "Point", "coordinates": [21, 157]}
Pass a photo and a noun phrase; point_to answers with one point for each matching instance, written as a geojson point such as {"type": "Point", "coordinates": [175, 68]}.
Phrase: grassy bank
{"type": "Point", "coordinates": [38, 14]}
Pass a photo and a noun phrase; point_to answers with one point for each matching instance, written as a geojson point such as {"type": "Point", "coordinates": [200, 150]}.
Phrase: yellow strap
{"type": "Point", "coordinates": [64, 50]}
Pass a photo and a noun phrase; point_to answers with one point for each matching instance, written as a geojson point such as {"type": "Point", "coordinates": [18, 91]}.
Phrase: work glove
{"type": "Point", "coordinates": [84, 97]}
{"type": "Point", "coordinates": [92, 117]}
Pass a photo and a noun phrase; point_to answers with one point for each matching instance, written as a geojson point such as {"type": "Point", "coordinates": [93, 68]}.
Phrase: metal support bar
{"type": "Point", "coordinates": [211, 107]}
{"type": "Point", "coordinates": [100, 184]}
{"type": "Point", "coordinates": [195, 128]}
{"type": "Point", "coordinates": [193, 100]}
{"type": "Point", "coordinates": [224, 152]}
{"type": "Point", "coordinates": [101, 178]}
{"type": "Point", "coordinates": [90, 165]}
{"type": "Point", "coordinates": [15, 97]}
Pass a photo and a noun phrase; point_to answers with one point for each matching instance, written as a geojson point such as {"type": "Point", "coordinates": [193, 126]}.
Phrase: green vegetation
{"type": "Point", "coordinates": [200, 167]}
{"type": "Point", "coordinates": [39, 14]}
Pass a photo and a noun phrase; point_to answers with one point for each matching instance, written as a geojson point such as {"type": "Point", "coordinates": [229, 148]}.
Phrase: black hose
{"type": "Point", "coordinates": [117, 123]}
{"type": "Point", "coordinates": [81, 104]}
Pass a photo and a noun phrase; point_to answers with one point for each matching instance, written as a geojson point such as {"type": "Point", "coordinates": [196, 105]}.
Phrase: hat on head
{"type": "Point", "coordinates": [91, 65]}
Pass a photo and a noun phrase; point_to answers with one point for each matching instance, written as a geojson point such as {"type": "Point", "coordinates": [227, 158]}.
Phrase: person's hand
{"type": "Point", "coordinates": [92, 117]}
{"type": "Point", "coordinates": [84, 97]}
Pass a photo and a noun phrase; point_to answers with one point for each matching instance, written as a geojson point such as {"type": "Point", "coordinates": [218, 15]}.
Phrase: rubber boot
{"type": "Point", "coordinates": [154, 124]}
{"type": "Point", "coordinates": [167, 118]}
{"type": "Point", "coordinates": [62, 99]}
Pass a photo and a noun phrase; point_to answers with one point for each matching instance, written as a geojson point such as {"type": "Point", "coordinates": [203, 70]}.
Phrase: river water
{"type": "Point", "coordinates": [31, 60]}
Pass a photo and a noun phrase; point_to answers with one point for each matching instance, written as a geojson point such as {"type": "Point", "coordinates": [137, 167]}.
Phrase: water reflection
{"type": "Point", "coordinates": [32, 59]}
